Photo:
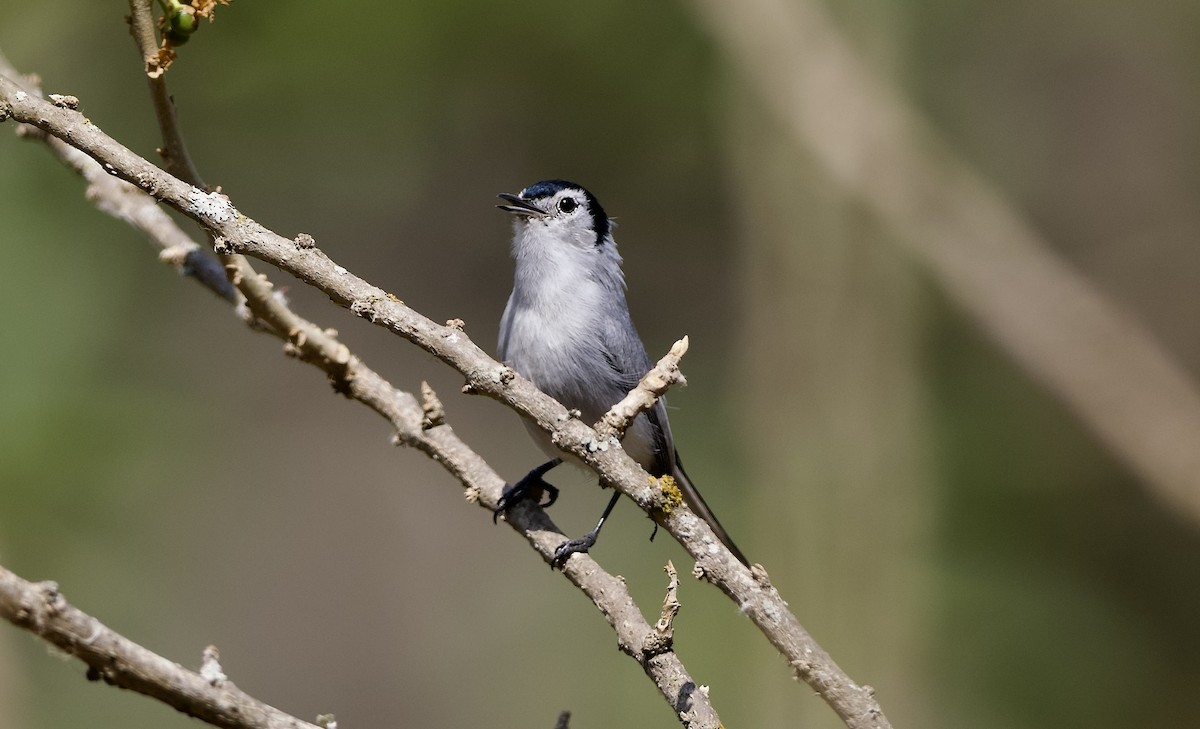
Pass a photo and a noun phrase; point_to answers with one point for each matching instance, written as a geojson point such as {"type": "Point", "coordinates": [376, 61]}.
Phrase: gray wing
{"type": "Point", "coordinates": [628, 359]}
{"type": "Point", "coordinates": [505, 329]}
{"type": "Point", "coordinates": [626, 356]}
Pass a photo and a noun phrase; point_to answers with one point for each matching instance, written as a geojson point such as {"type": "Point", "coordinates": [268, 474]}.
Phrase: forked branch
{"type": "Point", "coordinates": [236, 233]}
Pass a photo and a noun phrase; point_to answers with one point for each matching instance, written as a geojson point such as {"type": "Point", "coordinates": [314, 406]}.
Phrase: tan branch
{"type": "Point", "coordinates": [664, 630]}
{"type": "Point", "coordinates": [174, 151]}
{"type": "Point", "coordinates": [116, 660]}
{"type": "Point", "coordinates": [260, 299]}
{"type": "Point", "coordinates": [235, 232]}
{"type": "Point", "coordinates": [653, 385]}
{"type": "Point", "coordinates": [422, 426]}
{"type": "Point", "coordinates": [128, 204]}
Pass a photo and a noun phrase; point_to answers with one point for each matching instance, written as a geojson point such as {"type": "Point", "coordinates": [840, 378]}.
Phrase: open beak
{"type": "Point", "coordinates": [520, 206]}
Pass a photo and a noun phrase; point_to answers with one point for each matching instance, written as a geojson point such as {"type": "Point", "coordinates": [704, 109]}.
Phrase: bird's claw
{"type": "Point", "coordinates": [522, 490]}
{"type": "Point", "coordinates": [570, 547]}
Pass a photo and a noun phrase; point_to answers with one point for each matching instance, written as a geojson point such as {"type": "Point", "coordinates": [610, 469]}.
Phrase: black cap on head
{"type": "Point", "coordinates": [547, 188]}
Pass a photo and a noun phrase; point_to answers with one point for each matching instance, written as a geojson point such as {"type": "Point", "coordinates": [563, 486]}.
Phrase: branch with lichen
{"type": "Point", "coordinates": [235, 235]}
{"type": "Point", "coordinates": [234, 232]}
{"type": "Point", "coordinates": [420, 425]}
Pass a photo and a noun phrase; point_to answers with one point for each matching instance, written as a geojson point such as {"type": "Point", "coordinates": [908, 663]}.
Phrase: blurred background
{"type": "Point", "coordinates": [944, 526]}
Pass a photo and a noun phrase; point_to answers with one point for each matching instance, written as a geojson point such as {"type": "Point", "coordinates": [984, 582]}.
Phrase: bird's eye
{"type": "Point", "coordinates": [567, 205]}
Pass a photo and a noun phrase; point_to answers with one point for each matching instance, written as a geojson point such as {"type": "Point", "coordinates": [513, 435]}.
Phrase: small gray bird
{"type": "Point", "coordinates": [567, 329]}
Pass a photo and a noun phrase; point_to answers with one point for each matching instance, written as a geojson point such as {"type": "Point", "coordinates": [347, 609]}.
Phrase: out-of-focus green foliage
{"type": "Point", "coordinates": [944, 528]}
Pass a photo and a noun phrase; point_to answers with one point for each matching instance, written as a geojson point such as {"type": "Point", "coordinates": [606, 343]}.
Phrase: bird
{"type": "Point", "coordinates": [568, 330]}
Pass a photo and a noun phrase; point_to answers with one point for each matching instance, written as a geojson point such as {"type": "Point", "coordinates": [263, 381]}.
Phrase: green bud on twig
{"type": "Point", "coordinates": [181, 22]}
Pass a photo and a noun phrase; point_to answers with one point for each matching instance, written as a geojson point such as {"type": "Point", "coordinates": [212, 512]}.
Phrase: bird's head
{"type": "Point", "coordinates": [558, 212]}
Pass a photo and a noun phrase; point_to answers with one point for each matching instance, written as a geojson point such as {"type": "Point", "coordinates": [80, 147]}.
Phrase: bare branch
{"type": "Point", "coordinates": [751, 591]}
{"type": "Point", "coordinates": [174, 152]}
{"type": "Point", "coordinates": [431, 406]}
{"type": "Point", "coordinates": [42, 610]}
{"type": "Point", "coordinates": [653, 385]}
{"type": "Point", "coordinates": [664, 630]}
{"type": "Point", "coordinates": [421, 425]}
{"type": "Point", "coordinates": [126, 203]}
{"type": "Point", "coordinates": [260, 300]}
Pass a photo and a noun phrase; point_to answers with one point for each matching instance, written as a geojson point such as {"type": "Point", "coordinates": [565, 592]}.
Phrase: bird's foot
{"type": "Point", "coordinates": [573, 546]}
{"type": "Point", "coordinates": [532, 484]}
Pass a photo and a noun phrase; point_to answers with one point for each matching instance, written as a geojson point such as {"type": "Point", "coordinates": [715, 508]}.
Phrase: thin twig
{"type": "Point", "coordinates": [260, 297]}
{"type": "Point", "coordinates": [176, 158]}
{"type": "Point", "coordinates": [653, 385]}
{"type": "Point", "coordinates": [663, 636]}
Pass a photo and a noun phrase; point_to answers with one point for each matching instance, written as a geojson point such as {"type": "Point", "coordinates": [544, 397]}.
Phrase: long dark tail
{"type": "Point", "coordinates": [696, 503]}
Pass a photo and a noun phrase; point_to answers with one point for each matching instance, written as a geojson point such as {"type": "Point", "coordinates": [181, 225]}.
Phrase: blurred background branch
{"type": "Point", "coordinates": [841, 182]}
{"type": "Point", "coordinates": [1071, 338]}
